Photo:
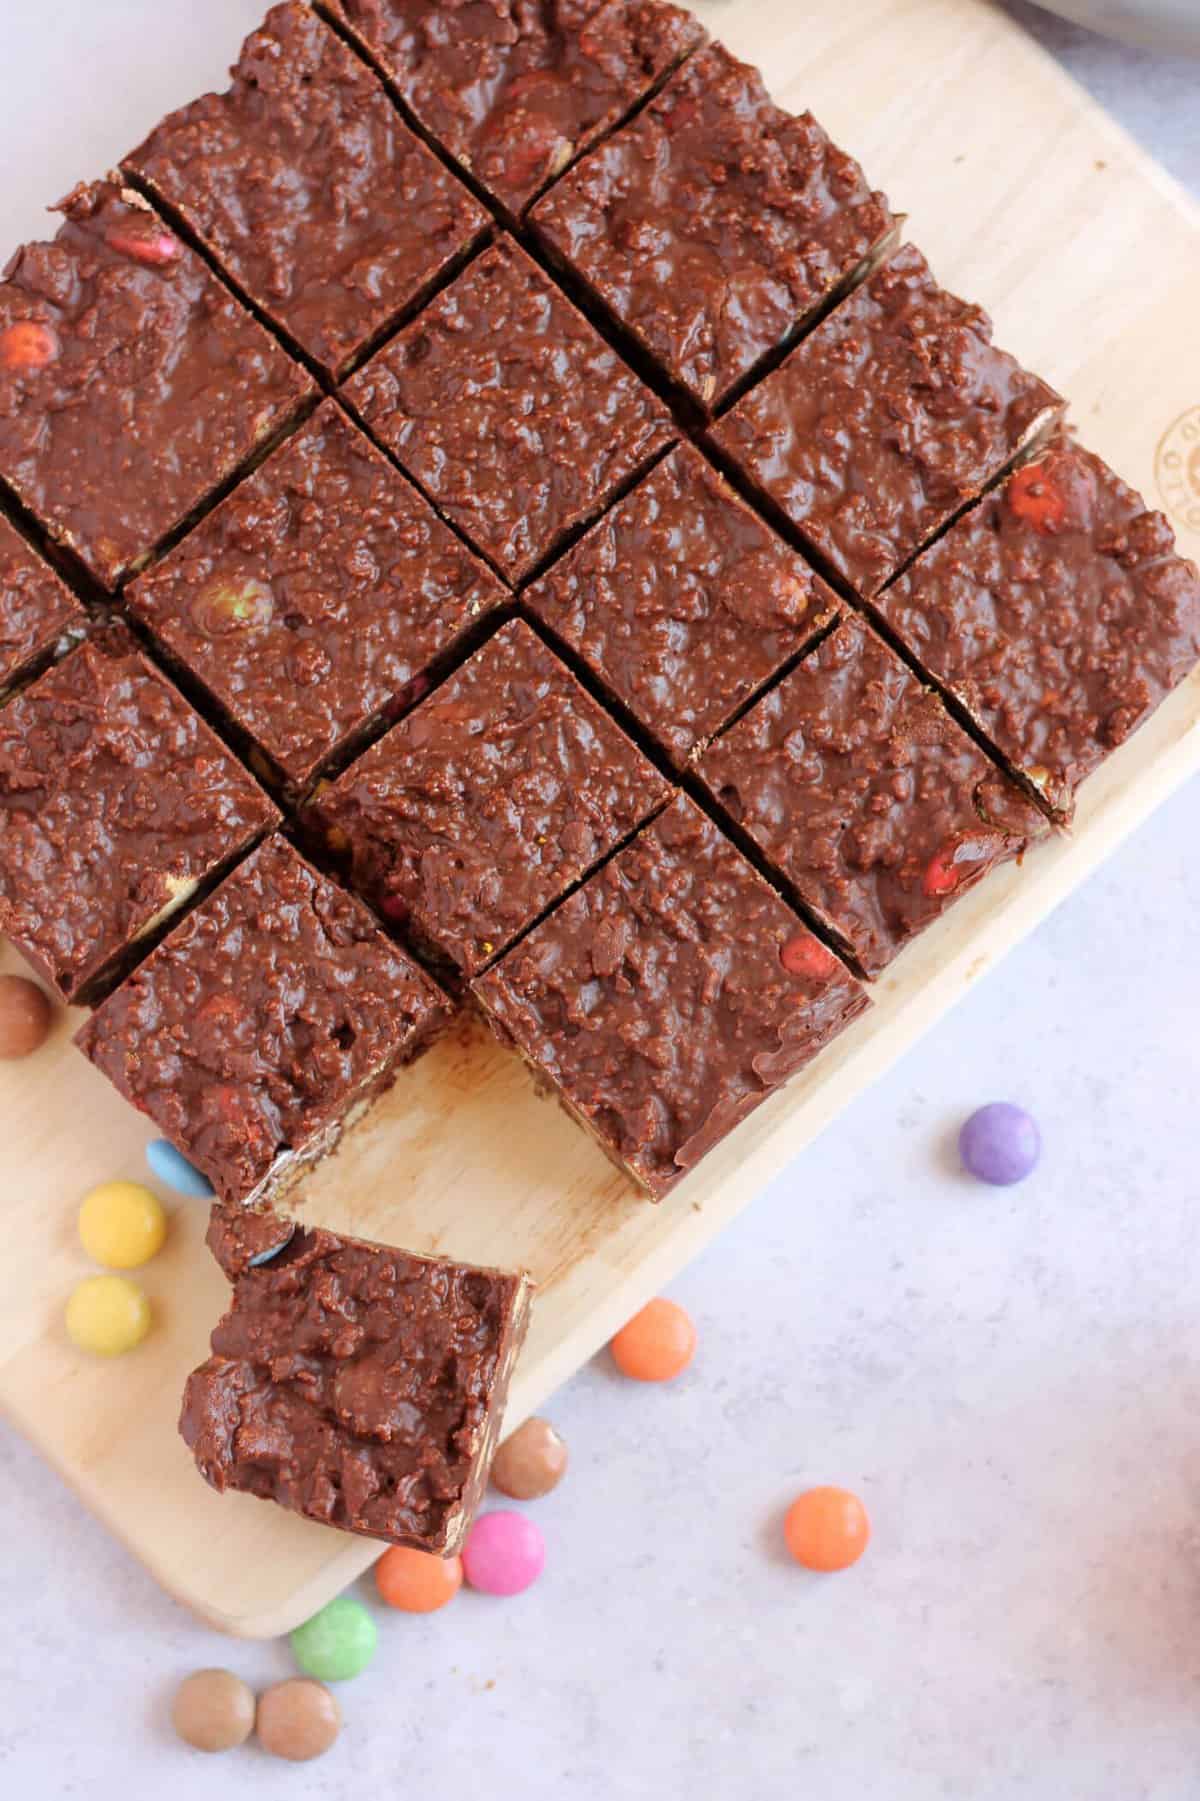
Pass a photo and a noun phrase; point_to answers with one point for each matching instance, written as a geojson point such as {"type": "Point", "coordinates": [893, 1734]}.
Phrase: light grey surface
{"type": "Point", "coordinates": [1166, 25]}
{"type": "Point", "coordinates": [1010, 1378]}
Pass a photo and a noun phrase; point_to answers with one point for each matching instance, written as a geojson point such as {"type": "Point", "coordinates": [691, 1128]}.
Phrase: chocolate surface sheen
{"type": "Point", "coordinates": [307, 186]}
{"type": "Point", "coordinates": [865, 795]}
{"type": "Point", "coordinates": [39, 616]}
{"type": "Point", "coordinates": [360, 1387]}
{"type": "Point", "coordinates": [682, 602]}
{"type": "Point", "coordinates": [116, 803]}
{"type": "Point", "coordinates": [481, 807]}
{"type": "Point", "coordinates": [669, 996]}
{"type": "Point", "coordinates": [515, 88]}
{"type": "Point", "coordinates": [1058, 612]}
{"type": "Point", "coordinates": [510, 410]}
{"type": "Point", "coordinates": [264, 1024]}
{"type": "Point", "coordinates": [895, 412]}
{"type": "Point", "coordinates": [131, 382]}
{"type": "Point", "coordinates": [714, 223]}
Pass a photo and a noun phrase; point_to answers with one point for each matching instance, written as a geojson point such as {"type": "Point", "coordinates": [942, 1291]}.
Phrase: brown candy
{"type": "Point", "coordinates": [213, 1710]}
{"type": "Point", "coordinates": [298, 1719]}
{"type": "Point", "coordinates": [25, 1016]}
{"type": "Point", "coordinates": [531, 1462]}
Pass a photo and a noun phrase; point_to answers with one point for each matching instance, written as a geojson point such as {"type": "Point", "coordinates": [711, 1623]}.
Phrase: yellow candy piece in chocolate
{"type": "Point", "coordinates": [107, 1315]}
{"type": "Point", "coordinates": [122, 1225]}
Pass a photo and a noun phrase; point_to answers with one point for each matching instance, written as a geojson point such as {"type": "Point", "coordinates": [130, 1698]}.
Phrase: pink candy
{"type": "Point", "coordinates": [504, 1553]}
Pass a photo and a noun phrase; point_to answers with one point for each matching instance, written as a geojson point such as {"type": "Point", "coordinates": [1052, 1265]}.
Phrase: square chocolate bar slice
{"type": "Point", "coordinates": [682, 602]}
{"type": "Point", "coordinates": [132, 384]}
{"type": "Point", "coordinates": [40, 619]}
{"type": "Point", "coordinates": [864, 794]}
{"type": "Point", "coordinates": [480, 808]}
{"type": "Point", "coordinates": [714, 225]}
{"type": "Point", "coordinates": [317, 601]}
{"type": "Point", "coordinates": [360, 1387]}
{"type": "Point", "coordinates": [669, 996]}
{"type": "Point", "coordinates": [514, 91]}
{"type": "Point", "coordinates": [117, 803]}
{"type": "Point", "coordinates": [510, 410]}
{"type": "Point", "coordinates": [265, 1025]}
{"type": "Point", "coordinates": [310, 191]}
{"type": "Point", "coordinates": [1059, 614]}
{"type": "Point", "coordinates": [886, 420]}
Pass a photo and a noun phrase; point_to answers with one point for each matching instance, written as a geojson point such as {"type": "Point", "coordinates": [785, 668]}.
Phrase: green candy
{"type": "Point", "coordinates": [337, 1643]}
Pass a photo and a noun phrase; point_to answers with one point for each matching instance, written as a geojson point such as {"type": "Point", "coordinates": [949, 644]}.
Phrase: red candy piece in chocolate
{"type": "Point", "coordinates": [1032, 496]}
{"type": "Point", "coordinates": [151, 244]}
{"type": "Point", "coordinates": [805, 955]}
{"type": "Point", "coordinates": [943, 873]}
{"type": "Point", "coordinates": [27, 345]}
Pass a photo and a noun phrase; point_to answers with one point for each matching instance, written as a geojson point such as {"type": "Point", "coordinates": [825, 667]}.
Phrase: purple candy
{"type": "Point", "coordinates": [1000, 1143]}
{"type": "Point", "coordinates": [504, 1553]}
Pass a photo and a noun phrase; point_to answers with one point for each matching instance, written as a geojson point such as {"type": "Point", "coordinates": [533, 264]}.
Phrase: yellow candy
{"type": "Point", "coordinates": [122, 1225]}
{"type": "Point", "coordinates": [107, 1315]}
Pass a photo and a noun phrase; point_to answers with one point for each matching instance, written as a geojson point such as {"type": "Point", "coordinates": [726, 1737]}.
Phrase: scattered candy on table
{"type": "Point", "coordinates": [298, 1720]}
{"type": "Point", "coordinates": [122, 1225]}
{"type": "Point", "coordinates": [1000, 1143]}
{"type": "Point", "coordinates": [172, 1168]}
{"type": "Point", "coordinates": [826, 1529]}
{"type": "Point", "coordinates": [25, 1016]}
{"type": "Point", "coordinates": [530, 1462]}
{"type": "Point", "coordinates": [213, 1710]}
{"type": "Point", "coordinates": [657, 1344]}
{"type": "Point", "coordinates": [337, 1643]}
{"type": "Point", "coordinates": [504, 1554]}
{"type": "Point", "coordinates": [416, 1581]}
{"type": "Point", "coordinates": [107, 1315]}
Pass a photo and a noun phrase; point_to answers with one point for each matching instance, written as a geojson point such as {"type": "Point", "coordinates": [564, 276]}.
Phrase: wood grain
{"type": "Point", "coordinates": [1024, 196]}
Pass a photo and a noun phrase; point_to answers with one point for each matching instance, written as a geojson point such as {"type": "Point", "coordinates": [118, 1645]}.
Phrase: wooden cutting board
{"type": "Point", "coordinates": [1025, 197]}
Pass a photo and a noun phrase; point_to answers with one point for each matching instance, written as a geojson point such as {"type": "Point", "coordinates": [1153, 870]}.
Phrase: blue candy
{"type": "Point", "coordinates": [1000, 1143]}
{"type": "Point", "coordinates": [172, 1168]}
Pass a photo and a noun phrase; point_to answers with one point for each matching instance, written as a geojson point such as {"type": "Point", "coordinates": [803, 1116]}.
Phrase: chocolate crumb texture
{"type": "Point", "coordinates": [40, 618]}
{"type": "Point", "coordinates": [132, 383]}
{"type": "Point", "coordinates": [510, 410]}
{"type": "Point", "coordinates": [866, 797]}
{"type": "Point", "coordinates": [1058, 612]}
{"type": "Point", "coordinates": [714, 225]}
{"type": "Point", "coordinates": [117, 805]}
{"type": "Point", "coordinates": [885, 421]}
{"type": "Point", "coordinates": [484, 804]}
{"type": "Point", "coordinates": [360, 1387]}
{"type": "Point", "coordinates": [669, 996]}
{"type": "Point", "coordinates": [264, 1025]}
{"type": "Point", "coordinates": [682, 602]}
{"type": "Point", "coordinates": [304, 183]}
{"type": "Point", "coordinates": [515, 91]}
{"type": "Point", "coordinates": [317, 602]}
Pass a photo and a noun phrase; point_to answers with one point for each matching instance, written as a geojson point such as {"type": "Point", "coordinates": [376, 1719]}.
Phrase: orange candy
{"type": "Point", "coordinates": [826, 1529]}
{"type": "Point", "coordinates": [1034, 497]}
{"type": "Point", "coordinates": [416, 1581]}
{"type": "Point", "coordinates": [657, 1344]}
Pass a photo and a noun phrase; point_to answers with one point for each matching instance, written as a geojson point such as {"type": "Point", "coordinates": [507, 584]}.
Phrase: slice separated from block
{"type": "Point", "coordinates": [265, 1025]}
{"type": "Point", "coordinates": [1058, 612]}
{"type": "Point", "coordinates": [308, 189]}
{"type": "Point", "coordinates": [132, 383]}
{"type": "Point", "coordinates": [40, 618]}
{"type": "Point", "coordinates": [512, 90]}
{"type": "Point", "coordinates": [895, 413]}
{"type": "Point", "coordinates": [360, 1387]}
{"type": "Point", "coordinates": [486, 802]}
{"type": "Point", "coordinates": [117, 804]}
{"type": "Point", "coordinates": [682, 602]}
{"type": "Point", "coordinates": [668, 996]}
{"type": "Point", "coordinates": [317, 602]}
{"type": "Point", "coordinates": [714, 225]}
{"type": "Point", "coordinates": [866, 797]}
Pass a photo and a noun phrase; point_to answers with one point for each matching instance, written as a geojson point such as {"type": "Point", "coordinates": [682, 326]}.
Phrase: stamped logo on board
{"type": "Point", "coordinates": [1177, 468]}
